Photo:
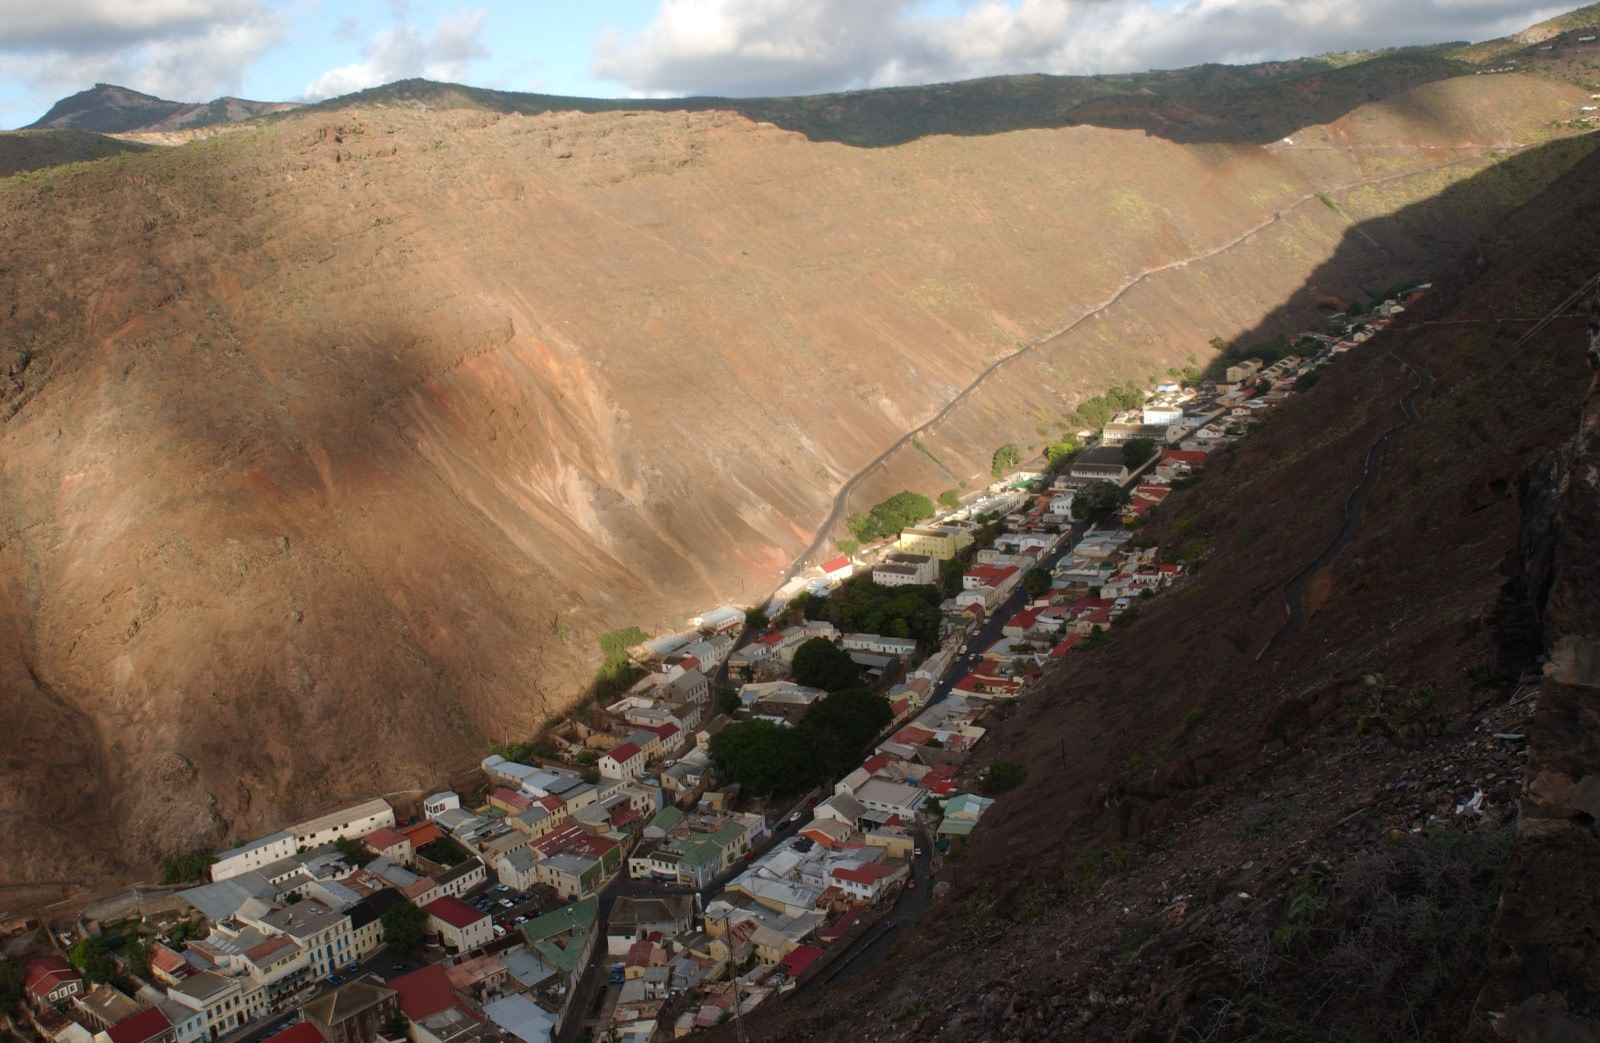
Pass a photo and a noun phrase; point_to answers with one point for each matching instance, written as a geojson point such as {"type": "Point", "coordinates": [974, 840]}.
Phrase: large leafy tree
{"type": "Point", "coordinates": [819, 663]}
{"type": "Point", "coordinates": [1135, 451]}
{"type": "Point", "coordinates": [403, 926]}
{"type": "Point", "coordinates": [1099, 501]}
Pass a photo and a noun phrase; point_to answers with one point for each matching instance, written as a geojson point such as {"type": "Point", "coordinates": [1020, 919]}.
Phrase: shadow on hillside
{"type": "Point", "coordinates": [1409, 245]}
{"type": "Point", "coordinates": [1207, 103]}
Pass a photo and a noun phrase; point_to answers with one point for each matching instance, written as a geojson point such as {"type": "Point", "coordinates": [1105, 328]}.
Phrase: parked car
{"type": "Point", "coordinates": [506, 903]}
{"type": "Point", "coordinates": [911, 884]}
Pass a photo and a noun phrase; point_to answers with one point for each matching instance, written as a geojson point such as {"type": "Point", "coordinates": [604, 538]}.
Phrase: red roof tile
{"type": "Point", "coordinates": [145, 1025]}
{"type": "Point", "coordinates": [425, 992]}
{"type": "Point", "coordinates": [301, 1032]}
{"type": "Point", "coordinates": [423, 834]}
{"type": "Point", "coordinates": [802, 957]}
{"type": "Point", "coordinates": [383, 839]}
{"type": "Point", "coordinates": [624, 753]}
{"type": "Point", "coordinates": [838, 564]}
{"type": "Point", "coordinates": [454, 911]}
{"type": "Point", "coordinates": [45, 974]}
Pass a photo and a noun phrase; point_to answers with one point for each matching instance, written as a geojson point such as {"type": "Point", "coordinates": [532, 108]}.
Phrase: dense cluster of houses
{"type": "Point", "coordinates": [630, 793]}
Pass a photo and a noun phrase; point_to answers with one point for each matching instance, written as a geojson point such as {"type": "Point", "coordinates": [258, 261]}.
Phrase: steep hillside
{"type": "Point", "coordinates": [108, 109]}
{"type": "Point", "coordinates": [329, 445]}
{"type": "Point", "coordinates": [1230, 831]}
{"type": "Point", "coordinates": [24, 150]}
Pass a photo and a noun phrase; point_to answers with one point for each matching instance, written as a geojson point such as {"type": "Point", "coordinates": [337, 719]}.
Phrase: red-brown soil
{"type": "Point", "coordinates": [331, 444]}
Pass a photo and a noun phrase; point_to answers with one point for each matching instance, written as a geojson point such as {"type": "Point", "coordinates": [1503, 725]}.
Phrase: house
{"type": "Point", "coordinates": [227, 1003]}
{"type": "Point", "coordinates": [1102, 463]}
{"type": "Point", "coordinates": [1061, 504]}
{"type": "Point", "coordinates": [458, 925]}
{"type": "Point", "coordinates": [355, 1012]}
{"type": "Point", "coordinates": [565, 940]}
{"type": "Point", "coordinates": [894, 646]}
{"type": "Point", "coordinates": [837, 570]}
{"type": "Point", "coordinates": [939, 542]}
{"type": "Point", "coordinates": [253, 855]}
{"type": "Point", "coordinates": [318, 930]}
{"type": "Point", "coordinates": [691, 686]}
{"type": "Point", "coordinates": [724, 620]}
{"type": "Point", "coordinates": [622, 762]}
{"type": "Point", "coordinates": [636, 919]}
{"type": "Point", "coordinates": [439, 803]}
{"type": "Point", "coordinates": [867, 881]}
{"type": "Point", "coordinates": [366, 920]}
{"type": "Point", "coordinates": [355, 821]}
{"type": "Point", "coordinates": [904, 570]}
{"type": "Point", "coordinates": [50, 981]}
{"type": "Point", "coordinates": [147, 1026]}
{"type": "Point", "coordinates": [394, 846]}
{"type": "Point", "coordinates": [961, 814]}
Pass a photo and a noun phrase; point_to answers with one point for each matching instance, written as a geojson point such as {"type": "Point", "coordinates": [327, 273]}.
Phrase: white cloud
{"type": "Point", "coordinates": [186, 50]}
{"type": "Point", "coordinates": [403, 51]}
{"type": "Point", "coordinates": [755, 47]}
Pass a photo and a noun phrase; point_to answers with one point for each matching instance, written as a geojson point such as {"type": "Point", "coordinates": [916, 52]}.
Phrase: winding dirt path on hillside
{"type": "Point", "coordinates": [1294, 594]}
{"type": "Point", "coordinates": [841, 500]}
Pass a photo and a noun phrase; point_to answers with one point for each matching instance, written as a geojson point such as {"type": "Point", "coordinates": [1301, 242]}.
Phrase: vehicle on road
{"type": "Point", "coordinates": [911, 884]}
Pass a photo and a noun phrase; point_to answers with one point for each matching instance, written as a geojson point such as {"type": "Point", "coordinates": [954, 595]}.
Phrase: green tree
{"type": "Point", "coordinates": [93, 959]}
{"type": "Point", "coordinates": [847, 546]}
{"type": "Point", "coordinates": [1099, 502]}
{"type": "Point", "coordinates": [765, 758]}
{"type": "Point", "coordinates": [1060, 454]}
{"type": "Point", "coordinates": [853, 717]}
{"type": "Point", "coordinates": [402, 926]}
{"type": "Point", "coordinates": [1135, 451]}
{"type": "Point", "coordinates": [819, 663]}
{"type": "Point", "coordinates": [950, 499]}
{"type": "Point", "coordinates": [354, 851]}
{"type": "Point", "coordinates": [11, 980]}
{"type": "Point", "coordinates": [616, 673]}
{"type": "Point", "coordinates": [186, 869]}
{"type": "Point", "coordinates": [1307, 380]}
{"type": "Point", "coordinates": [1036, 582]}
{"type": "Point", "coordinates": [755, 617]}
{"type": "Point", "coordinates": [1005, 458]}
{"type": "Point", "coordinates": [728, 700]}
{"type": "Point", "coordinates": [587, 757]}
{"type": "Point", "coordinates": [1003, 775]}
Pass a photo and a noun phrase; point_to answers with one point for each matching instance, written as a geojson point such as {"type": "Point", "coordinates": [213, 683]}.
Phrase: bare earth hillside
{"type": "Point", "coordinates": [329, 445]}
{"type": "Point", "coordinates": [1377, 825]}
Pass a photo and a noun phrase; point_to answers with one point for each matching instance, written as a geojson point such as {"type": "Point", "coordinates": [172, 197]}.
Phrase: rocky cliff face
{"type": "Point", "coordinates": [1543, 983]}
{"type": "Point", "coordinates": [330, 445]}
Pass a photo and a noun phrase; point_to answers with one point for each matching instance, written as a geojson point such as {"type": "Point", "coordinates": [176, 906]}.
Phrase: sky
{"type": "Point", "coordinates": [308, 50]}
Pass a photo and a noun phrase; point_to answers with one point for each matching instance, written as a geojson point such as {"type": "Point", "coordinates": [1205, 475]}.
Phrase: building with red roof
{"type": "Point", "coordinates": [299, 1032]}
{"type": "Point", "coordinates": [147, 1026]}
{"type": "Point", "coordinates": [625, 762]}
{"type": "Point", "coordinates": [836, 570]}
{"type": "Point", "coordinates": [422, 834]}
{"type": "Point", "coordinates": [50, 982]}
{"type": "Point", "coordinates": [867, 881]}
{"type": "Point", "coordinates": [391, 844]}
{"type": "Point", "coordinates": [800, 960]}
{"type": "Point", "coordinates": [459, 925]}
{"type": "Point", "coordinates": [426, 992]}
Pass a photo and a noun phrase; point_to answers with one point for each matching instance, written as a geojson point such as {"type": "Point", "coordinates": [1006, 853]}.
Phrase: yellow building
{"type": "Point", "coordinates": [939, 543]}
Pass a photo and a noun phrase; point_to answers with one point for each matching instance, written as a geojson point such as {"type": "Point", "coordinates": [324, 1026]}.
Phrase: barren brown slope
{"type": "Point", "coordinates": [1308, 844]}
{"type": "Point", "coordinates": [330, 445]}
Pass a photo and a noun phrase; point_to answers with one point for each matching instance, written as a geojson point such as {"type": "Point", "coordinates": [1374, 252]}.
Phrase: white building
{"type": "Point", "coordinates": [355, 821]}
{"type": "Point", "coordinates": [253, 855]}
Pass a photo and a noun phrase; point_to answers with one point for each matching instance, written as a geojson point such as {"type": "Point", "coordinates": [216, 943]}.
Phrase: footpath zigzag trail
{"type": "Point", "coordinates": [1294, 592]}
{"type": "Point", "coordinates": [841, 500]}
